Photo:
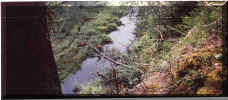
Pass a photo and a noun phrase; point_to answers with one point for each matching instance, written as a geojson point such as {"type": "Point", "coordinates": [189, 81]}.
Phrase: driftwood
{"type": "Point", "coordinates": [108, 58]}
{"type": "Point", "coordinates": [118, 63]}
{"type": "Point", "coordinates": [115, 62]}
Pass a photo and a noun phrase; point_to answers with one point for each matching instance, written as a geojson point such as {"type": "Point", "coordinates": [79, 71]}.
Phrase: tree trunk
{"type": "Point", "coordinates": [29, 67]}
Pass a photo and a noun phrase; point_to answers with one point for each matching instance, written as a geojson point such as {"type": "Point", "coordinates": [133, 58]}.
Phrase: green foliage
{"type": "Point", "coordinates": [129, 77]}
{"type": "Point", "coordinates": [117, 10]}
{"type": "Point", "coordinates": [181, 29]}
{"type": "Point", "coordinates": [106, 22]}
{"type": "Point", "coordinates": [92, 88]}
{"type": "Point", "coordinates": [104, 38]}
{"type": "Point", "coordinates": [88, 25]}
{"type": "Point", "coordinates": [194, 31]}
{"type": "Point", "coordinates": [149, 49]}
{"type": "Point", "coordinates": [197, 16]}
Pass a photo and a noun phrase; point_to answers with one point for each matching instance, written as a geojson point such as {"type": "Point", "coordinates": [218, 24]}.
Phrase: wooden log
{"type": "Point", "coordinates": [110, 59]}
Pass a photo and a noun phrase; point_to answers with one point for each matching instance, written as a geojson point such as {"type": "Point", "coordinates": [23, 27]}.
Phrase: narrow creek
{"type": "Point", "coordinates": [121, 38]}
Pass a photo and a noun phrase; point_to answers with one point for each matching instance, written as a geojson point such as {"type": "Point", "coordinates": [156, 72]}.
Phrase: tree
{"type": "Point", "coordinates": [29, 68]}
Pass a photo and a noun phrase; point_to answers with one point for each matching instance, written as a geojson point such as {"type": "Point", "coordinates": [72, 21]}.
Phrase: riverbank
{"type": "Point", "coordinates": [122, 39]}
{"type": "Point", "coordinates": [189, 62]}
{"type": "Point", "coordinates": [71, 49]}
{"type": "Point", "coordinates": [175, 53]}
{"type": "Point", "coordinates": [185, 58]}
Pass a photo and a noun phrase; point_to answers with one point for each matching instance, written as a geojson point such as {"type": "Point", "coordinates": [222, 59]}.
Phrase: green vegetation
{"type": "Point", "coordinates": [77, 29]}
{"type": "Point", "coordinates": [190, 53]}
{"type": "Point", "coordinates": [192, 48]}
{"type": "Point", "coordinates": [93, 88]}
{"type": "Point", "coordinates": [187, 53]}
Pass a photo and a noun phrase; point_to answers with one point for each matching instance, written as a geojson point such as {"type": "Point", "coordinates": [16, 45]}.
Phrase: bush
{"type": "Point", "coordinates": [103, 29]}
{"type": "Point", "coordinates": [112, 27]}
{"type": "Point", "coordinates": [104, 38]}
{"type": "Point", "coordinates": [92, 88]}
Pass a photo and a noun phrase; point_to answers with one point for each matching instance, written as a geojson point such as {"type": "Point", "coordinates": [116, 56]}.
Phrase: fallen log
{"type": "Point", "coordinates": [108, 58]}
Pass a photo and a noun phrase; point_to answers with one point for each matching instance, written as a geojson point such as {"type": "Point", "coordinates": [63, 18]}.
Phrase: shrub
{"type": "Point", "coordinates": [104, 38]}
{"type": "Point", "coordinates": [92, 88]}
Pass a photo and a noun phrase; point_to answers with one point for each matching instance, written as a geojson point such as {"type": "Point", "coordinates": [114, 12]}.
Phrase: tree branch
{"type": "Point", "coordinates": [108, 58]}
{"type": "Point", "coordinates": [161, 36]}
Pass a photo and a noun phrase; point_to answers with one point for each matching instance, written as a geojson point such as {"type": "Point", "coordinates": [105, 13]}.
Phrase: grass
{"type": "Point", "coordinates": [198, 68]}
{"type": "Point", "coordinates": [203, 65]}
{"type": "Point", "coordinates": [189, 64]}
{"type": "Point", "coordinates": [70, 50]}
{"type": "Point", "coordinates": [195, 32]}
{"type": "Point", "coordinates": [92, 88]}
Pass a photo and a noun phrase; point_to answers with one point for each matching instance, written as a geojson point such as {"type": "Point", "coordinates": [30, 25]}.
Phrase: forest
{"type": "Point", "coordinates": [139, 48]}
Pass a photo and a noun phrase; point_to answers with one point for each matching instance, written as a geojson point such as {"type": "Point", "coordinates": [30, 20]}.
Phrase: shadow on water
{"type": "Point", "coordinates": [121, 40]}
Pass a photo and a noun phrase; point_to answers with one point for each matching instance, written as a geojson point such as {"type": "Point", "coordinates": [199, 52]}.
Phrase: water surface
{"type": "Point", "coordinates": [121, 40]}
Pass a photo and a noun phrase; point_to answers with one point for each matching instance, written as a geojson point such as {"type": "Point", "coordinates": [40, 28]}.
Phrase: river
{"type": "Point", "coordinates": [121, 38]}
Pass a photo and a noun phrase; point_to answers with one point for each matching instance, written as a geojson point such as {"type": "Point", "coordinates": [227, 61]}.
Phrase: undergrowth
{"type": "Point", "coordinates": [87, 28]}
{"type": "Point", "coordinates": [194, 55]}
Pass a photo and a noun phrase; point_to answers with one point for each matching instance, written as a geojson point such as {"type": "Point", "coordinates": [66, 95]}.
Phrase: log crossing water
{"type": "Point", "coordinates": [121, 38]}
